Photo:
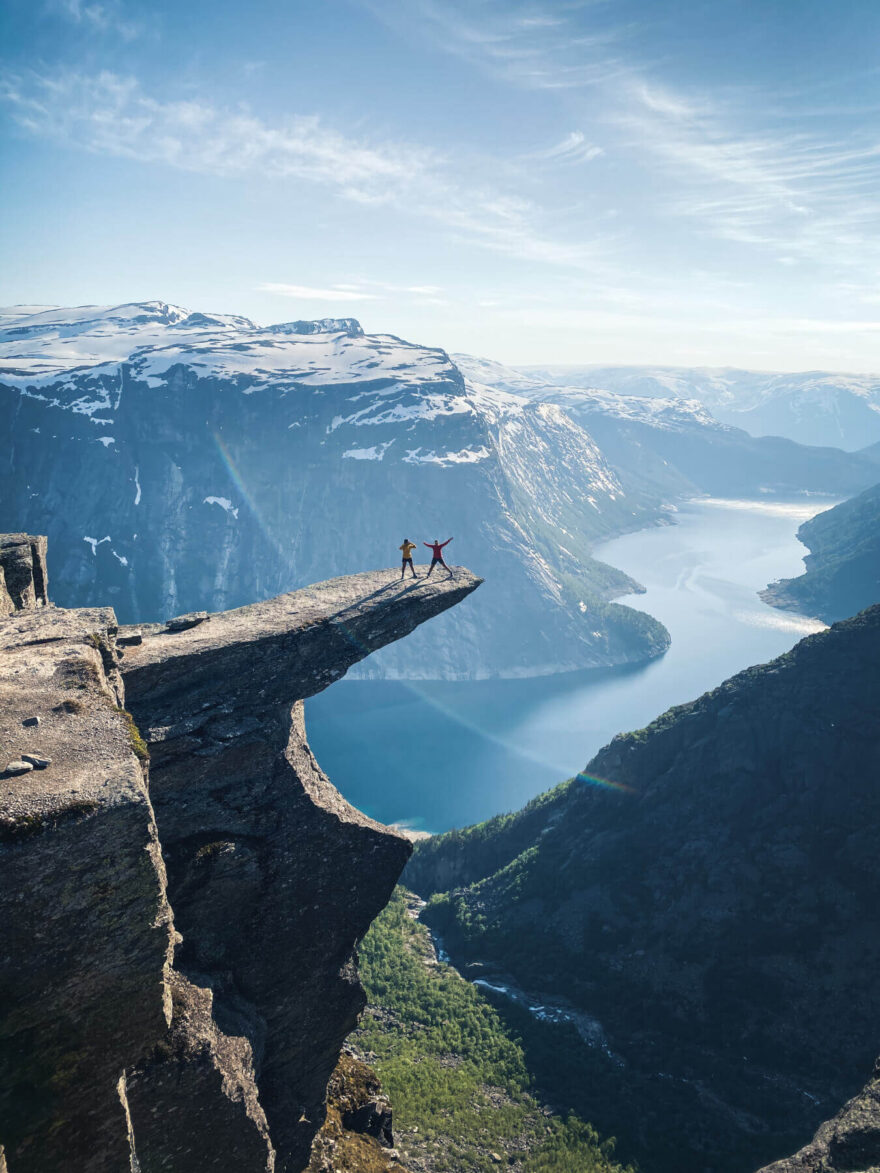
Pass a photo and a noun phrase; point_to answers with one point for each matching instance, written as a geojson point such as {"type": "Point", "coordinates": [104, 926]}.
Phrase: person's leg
{"type": "Point", "coordinates": [403, 568]}
{"type": "Point", "coordinates": [412, 568]}
{"type": "Point", "coordinates": [431, 567]}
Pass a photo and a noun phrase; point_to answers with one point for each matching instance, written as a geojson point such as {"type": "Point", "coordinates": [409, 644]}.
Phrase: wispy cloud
{"type": "Point", "coordinates": [749, 167]}
{"type": "Point", "coordinates": [779, 187]}
{"type": "Point", "coordinates": [309, 293]}
{"type": "Point", "coordinates": [574, 148]}
{"type": "Point", "coordinates": [107, 17]}
{"type": "Point", "coordinates": [112, 115]}
{"type": "Point", "coordinates": [540, 47]}
{"type": "Point", "coordinates": [365, 290]}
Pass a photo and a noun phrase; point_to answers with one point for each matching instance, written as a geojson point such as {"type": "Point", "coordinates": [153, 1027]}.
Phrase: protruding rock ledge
{"type": "Point", "coordinates": [272, 876]}
{"type": "Point", "coordinates": [292, 646]}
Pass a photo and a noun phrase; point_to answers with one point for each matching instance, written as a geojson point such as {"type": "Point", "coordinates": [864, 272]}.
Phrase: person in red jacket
{"type": "Point", "coordinates": [436, 549]}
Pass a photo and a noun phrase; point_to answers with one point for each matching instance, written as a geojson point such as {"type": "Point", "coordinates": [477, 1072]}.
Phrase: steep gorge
{"type": "Point", "coordinates": [706, 891]}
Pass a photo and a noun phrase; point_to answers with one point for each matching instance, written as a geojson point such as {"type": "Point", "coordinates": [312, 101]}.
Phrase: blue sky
{"type": "Point", "coordinates": [562, 181]}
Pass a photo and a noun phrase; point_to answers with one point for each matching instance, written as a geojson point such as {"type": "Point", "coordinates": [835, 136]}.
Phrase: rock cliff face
{"type": "Point", "coordinates": [178, 968]}
{"type": "Point", "coordinates": [708, 893]}
{"type": "Point", "coordinates": [24, 581]}
{"type": "Point", "coordinates": [848, 1143]}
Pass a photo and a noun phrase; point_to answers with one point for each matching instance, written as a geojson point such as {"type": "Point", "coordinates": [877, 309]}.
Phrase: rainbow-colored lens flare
{"type": "Point", "coordinates": [605, 783]}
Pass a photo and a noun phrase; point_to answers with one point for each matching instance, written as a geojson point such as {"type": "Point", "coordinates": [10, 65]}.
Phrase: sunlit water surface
{"type": "Point", "coordinates": [434, 755]}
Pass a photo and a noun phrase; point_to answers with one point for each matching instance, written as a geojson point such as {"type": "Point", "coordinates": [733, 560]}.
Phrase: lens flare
{"type": "Point", "coordinates": [605, 783]}
{"type": "Point", "coordinates": [421, 693]}
{"type": "Point", "coordinates": [237, 479]}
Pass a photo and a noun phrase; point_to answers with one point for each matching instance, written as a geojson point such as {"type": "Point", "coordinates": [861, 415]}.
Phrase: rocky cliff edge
{"type": "Point", "coordinates": [181, 887]}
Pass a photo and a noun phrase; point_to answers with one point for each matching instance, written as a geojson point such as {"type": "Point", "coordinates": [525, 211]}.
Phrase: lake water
{"type": "Point", "coordinates": [440, 754]}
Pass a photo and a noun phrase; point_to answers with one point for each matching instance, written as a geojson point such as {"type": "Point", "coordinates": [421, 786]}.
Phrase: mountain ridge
{"type": "Point", "coordinates": [183, 467]}
{"type": "Point", "coordinates": [684, 893]}
{"type": "Point", "coordinates": [842, 573]}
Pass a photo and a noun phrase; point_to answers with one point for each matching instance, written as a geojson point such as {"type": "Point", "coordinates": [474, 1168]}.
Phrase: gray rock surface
{"type": "Point", "coordinates": [24, 580]}
{"type": "Point", "coordinates": [272, 875]}
{"type": "Point", "coordinates": [848, 1143]}
{"type": "Point", "coordinates": [87, 932]}
{"type": "Point", "coordinates": [132, 1037]}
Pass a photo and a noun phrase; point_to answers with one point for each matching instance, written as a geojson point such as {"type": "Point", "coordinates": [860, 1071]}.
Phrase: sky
{"type": "Point", "coordinates": [567, 181]}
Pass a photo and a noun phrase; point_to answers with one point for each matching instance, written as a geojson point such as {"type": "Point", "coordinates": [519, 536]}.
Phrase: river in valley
{"type": "Point", "coordinates": [431, 755]}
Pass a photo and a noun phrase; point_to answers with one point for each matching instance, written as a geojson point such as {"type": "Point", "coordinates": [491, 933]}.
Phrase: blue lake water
{"type": "Point", "coordinates": [440, 754]}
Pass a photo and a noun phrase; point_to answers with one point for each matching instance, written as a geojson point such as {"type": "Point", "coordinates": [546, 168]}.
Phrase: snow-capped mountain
{"type": "Point", "coordinates": [811, 407]}
{"type": "Point", "coordinates": [181, 461]}
{"type": "Point", "coordinates": [667, 445]}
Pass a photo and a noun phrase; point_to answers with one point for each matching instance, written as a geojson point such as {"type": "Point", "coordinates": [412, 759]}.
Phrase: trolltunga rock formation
{"type": "Point", "coordinates": [178, 969]}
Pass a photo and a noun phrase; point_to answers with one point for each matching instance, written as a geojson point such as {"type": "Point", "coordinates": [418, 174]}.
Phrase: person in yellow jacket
{"type": "Point", "coordinates": [406, 549]}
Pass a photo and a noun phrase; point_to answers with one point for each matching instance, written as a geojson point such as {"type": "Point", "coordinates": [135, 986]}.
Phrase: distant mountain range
{"type": "Point", "coordinates": [677, 446]}
{"type": "Point", "coordinates": [702, 904]}
{"type": "Point", "coordinates": [843, 566]}
{"type": "Point", "coordinates": [181, 461]}
{"type": "Point", "coordinates": [812, 407]}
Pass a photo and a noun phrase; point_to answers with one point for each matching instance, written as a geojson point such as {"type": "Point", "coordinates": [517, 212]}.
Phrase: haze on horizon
{"type": "Point", "coordinates": [571, 181]}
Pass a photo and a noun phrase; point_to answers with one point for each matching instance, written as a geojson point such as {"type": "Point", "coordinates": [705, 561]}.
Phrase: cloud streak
{"type": "Point", "coordinates": [574, 148]}
{"type": "Point", "coordinates": [798, 194]}
{"type": "Point", "coordinates": [101, 18]}
{"type": "Point", "coordinates": [309, 293]}
{"type": "Point", "coordinates": [112, 115]}
{"type": "Point", "coordinates": [535, 47]}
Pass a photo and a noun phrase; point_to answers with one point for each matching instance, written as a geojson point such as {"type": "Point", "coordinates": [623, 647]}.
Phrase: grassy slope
{"type": "Point", "coordinates": [454, 1069]}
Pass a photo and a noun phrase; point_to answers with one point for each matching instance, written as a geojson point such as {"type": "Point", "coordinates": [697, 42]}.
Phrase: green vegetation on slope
{"type": "Point", "coordinates": [463, 857]}
{"type": "Point", "coordinates": [690, 913]}
{"type": "Point", "coordinates": [454, 1071]}
{"type": "Point", "coordinates": [843, 567]}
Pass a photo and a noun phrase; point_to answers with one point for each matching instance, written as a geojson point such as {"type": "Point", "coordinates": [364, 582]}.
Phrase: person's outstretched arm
{"type": "Point", "coordinates": [430, 545]}
{"type": "Point", "coordinates": [446, 543]}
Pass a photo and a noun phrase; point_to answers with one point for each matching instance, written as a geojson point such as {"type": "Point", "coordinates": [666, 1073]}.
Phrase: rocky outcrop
{"type": "Point", "coordinates": [357, 1135]}
{"type": "Point", "coordinates": [131, 1035]}
{"type": "Point", "coordinates": [272, 875]}
{"type": "Point", "coordinates": [843, 567]}
{"type": "Point", "coordinates": [87, 931]}
{"type": "Point", "coordinates": [24, 580]}
{"type": "Point", "coordinates": [849, 1143]}
{"type": "Point", "coordinates": [707, 891]}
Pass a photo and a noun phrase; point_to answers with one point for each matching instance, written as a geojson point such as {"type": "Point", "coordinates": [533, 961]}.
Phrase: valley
{"type": "Point", "coordinates": [434, 754]}
{"type": "Point", "coordinates": [634, 552]}
{"type": "Point", "coordinates": [321, 852]}
{"type": "Point", "coordinates": [705, 891]}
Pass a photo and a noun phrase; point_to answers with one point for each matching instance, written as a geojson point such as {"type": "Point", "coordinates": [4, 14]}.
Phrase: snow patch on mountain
{"type": "Point", "coordinates": [223, 502]}
{"type": "Point", "coordinates": [464, 456]}
{"type": "Point", "coordinates": [375, 453]}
